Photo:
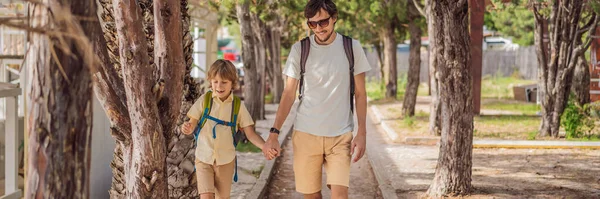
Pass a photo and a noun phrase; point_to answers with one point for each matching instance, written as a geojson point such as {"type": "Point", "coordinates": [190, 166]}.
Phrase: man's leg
{"type": "Point", "coordinates": [308, 163]}
{"type": "Point", "coordinates": [337, 164]}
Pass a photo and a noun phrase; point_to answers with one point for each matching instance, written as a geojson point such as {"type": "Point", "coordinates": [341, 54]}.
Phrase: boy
{"type": "Point", "coordinates": [215, 150]}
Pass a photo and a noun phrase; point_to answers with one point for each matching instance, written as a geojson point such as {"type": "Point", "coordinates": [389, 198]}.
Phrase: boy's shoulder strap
{"type": "Point", "coordinates": [350, 56]}
{"type": "Point", "coordinates": [305, 44]}
{"type": "Point", "coordinates": [235, 111]}
{"type": "Point", "coordinates": [208, 100]}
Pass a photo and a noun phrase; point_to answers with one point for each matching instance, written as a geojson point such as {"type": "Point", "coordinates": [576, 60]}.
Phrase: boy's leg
{"type": "Point", "coordinates": [205, 178]}
{"type": "Point", "coordinates": [337, 164]}
{"type": "Point", "coordinates": [308, 163]}
{"type": "Point", "coordinates": [223, 180]}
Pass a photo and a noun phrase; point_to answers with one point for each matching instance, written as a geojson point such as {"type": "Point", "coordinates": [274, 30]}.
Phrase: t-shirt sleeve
{"type": "Point", "coordinates": [245, 119]}
{"type": "Point", "coordinates": [292, 65]}
{"type": "Point", "coordinates": [361, 64]}
{"type": "Point", "coordinates": [196, 111]}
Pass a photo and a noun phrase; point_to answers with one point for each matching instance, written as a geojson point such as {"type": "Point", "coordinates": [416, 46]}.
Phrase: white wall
{"type": "Point", "coordinates": [103, 146]}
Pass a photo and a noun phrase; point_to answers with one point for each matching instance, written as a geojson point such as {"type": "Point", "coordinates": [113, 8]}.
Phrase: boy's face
{"type": "Point", "coordinates": [322, 25]}
{"type": "Point", "coordinates": [221, 87]}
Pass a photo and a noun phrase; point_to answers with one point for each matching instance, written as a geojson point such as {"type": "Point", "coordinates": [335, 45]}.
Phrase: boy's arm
{"type": "Point", "coordinates": [285, 105]}
{"type": "Point", "coordinates": [259, 142]}
{"type": "Point", "coordinates": [253, 137]}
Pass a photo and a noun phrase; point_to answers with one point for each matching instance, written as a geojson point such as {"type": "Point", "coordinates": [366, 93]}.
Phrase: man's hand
{"type": "Point", "coordinates": [269, 153]}
{"type": "Point", "coordinates": [358, 145]}
{"type": "Point", "coordinates": [187, 128]}
{"type": "Point", "coordinates": [272, 146]}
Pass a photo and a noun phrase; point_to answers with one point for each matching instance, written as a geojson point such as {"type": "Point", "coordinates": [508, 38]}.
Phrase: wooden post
{"type": "Point", "coordinates": [595, 68]}
{"type": "Point", "coordinates": [477, 9]}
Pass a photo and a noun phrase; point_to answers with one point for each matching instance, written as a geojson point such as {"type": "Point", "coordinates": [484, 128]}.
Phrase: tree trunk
{"type": "Point", "coordinates": [581, 81]}
{"type": "Point", "coordinates": [144, 164]}
{"type": "Point", "coordinates": [60, 114]}
{"type": "Point", "coordinates": [382, 68]}
{"type": "Point", "coordinates": [170, 61]}
{"type": "Point", "coordinates": [251, 77]}
{"type": "Point", "coordinates": [180, 148]}
{"type": "Point", "coordinates": [435, 108]}
{"type": "Point", "coordinates": [181, 153]}
{"type": "Point", "coordinates": [556, 69]}
{"type": "Point", "coordinates": [389, 43]}
{"type": "Point", "coordinates": [414, 70]}
{"type": "Point", "coordinates": [260, 33]}
{"type": "Point", "coordinates": [453, 171]}
{"type": "Point", "coordinates": [277, 88]}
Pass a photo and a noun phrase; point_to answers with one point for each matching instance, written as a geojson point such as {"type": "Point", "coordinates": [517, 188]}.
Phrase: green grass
{"type": "Point", "coordinates": [247, 147]}
{"type": "Point", "coordinates": [501, 87]}
{"type": "Point", "coordinates": [491, 87]}
{"type": "Point", "coordinates": [376, 89]}
{"type": "Point", "coordinates": [506, 126]}
{"type": "Point", "coordinates": [523, 108]}
{"type": "Point", "coordinates": [592, 137]}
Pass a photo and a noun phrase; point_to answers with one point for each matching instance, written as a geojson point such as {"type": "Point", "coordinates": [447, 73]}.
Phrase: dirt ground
{"type": "Point", "coordinates": [515, 173]}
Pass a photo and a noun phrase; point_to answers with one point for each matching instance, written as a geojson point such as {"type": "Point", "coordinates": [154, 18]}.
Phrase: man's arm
{"type": "Point", "coordinates": [287, 100]}
{"type": "Point", "coordinates": [360, 95]}
{"type": "Point", "coordinates": [285, 105]}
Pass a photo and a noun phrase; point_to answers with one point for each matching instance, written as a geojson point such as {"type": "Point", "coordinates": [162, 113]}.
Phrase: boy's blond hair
{"type": "Point", "coordinates": [225, 69]}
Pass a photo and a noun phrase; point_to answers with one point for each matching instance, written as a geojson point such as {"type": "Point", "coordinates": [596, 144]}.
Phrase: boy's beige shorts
{"type": "Point", "coordinates": [215, 179]}
{"type": "Point", "coordinates": [312, 152]}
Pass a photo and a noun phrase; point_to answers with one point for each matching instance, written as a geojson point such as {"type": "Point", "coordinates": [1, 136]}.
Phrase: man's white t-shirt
{"type": "Point", "coordinates": [325, 106]}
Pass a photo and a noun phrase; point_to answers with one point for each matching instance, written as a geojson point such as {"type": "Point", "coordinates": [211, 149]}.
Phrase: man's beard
{"type": "Point", "coordinates": [326, 38]}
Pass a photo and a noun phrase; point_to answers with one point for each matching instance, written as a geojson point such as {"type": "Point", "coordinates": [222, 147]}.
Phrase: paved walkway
{"type": "Point", "coordinates": [250, 165]}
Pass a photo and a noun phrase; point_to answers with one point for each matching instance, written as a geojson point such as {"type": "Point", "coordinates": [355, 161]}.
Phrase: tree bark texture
{"type": "Point", "coordinates": [412, 86]}
{"type": "Point", "coordinates": [453, 171]}
{"type": "Point", "coordinates": [251, 77]}
{"type": "Point", "coordinates": [556, 69]}
{"type": "Point", "coordinates": [144, 159]}
{"type": "Point", "coordinates": [60, 114]}
{"type": "Point", "coordinates": [389, 54]}
{"type": "Point", "coordinates": [435, 108]}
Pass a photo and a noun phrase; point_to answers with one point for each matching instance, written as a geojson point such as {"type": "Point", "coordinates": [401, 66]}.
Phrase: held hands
{"type": "Point", "coordinates": [271, 148]}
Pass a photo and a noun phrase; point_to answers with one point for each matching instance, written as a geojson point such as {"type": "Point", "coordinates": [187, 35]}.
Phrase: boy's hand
{"type": "Point", "coordinates": [187, 128]}
{"type": "Point", "coordinates": [270, 153]}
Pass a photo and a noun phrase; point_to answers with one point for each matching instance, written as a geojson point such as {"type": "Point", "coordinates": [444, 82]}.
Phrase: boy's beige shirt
{"type": "Point", "coordinates": [219, 149]}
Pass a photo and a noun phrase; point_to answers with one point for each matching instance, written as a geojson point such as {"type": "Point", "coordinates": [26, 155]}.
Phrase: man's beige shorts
{"type": "Point", "coordinates": [311, 152]}
{"type": "Point", "coordinates": [215, 179]}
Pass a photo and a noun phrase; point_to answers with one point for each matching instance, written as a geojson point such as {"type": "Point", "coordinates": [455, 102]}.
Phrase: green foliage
{"type": "Point", "coordinates": [514, 20]}
{"type": "Point", "coordinates": [576, 120]}
{"type": "Point", "coordinates": [247, 147]}
{"type": "Point", "coordinates": [408, 122]}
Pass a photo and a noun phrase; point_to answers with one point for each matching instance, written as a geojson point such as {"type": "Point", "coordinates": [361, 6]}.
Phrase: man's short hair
{"type": "Point", "coordinates": [314, 6]}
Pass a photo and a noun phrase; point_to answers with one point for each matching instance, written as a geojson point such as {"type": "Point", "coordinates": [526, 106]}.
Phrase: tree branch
{"type": "Point", "coordinates": [420, 8]}
{"type": "Point", "coordinates": [108, 87]}
{"type": "Point", "coordinates": [168, 53]}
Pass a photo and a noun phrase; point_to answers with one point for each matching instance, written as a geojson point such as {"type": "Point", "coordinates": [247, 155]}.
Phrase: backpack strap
{"type": "Point", "coordinates": [305, 44]}
{"type": "Point", "coordinates": [350, 55]}
{"type": "Point", "coordinates": [235, 110]}
{"type": "Point", "coordinates": [208, 101]}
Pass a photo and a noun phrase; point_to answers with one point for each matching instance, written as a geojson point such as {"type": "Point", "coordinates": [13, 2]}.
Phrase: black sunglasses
{"type": "Point", "coordinates": [323, 23]}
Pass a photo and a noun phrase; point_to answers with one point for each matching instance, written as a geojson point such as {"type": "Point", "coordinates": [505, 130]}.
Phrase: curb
{"type": "Point", "coordinates": [266, 175]}
{"type": "Point", "coordinates": [383, 182]}
{"type": "Point", "coordinates": [522, 144]}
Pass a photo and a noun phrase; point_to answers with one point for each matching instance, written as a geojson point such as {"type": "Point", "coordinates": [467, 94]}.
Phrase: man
{"type": "Point", "coordinates": [324, 122]}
